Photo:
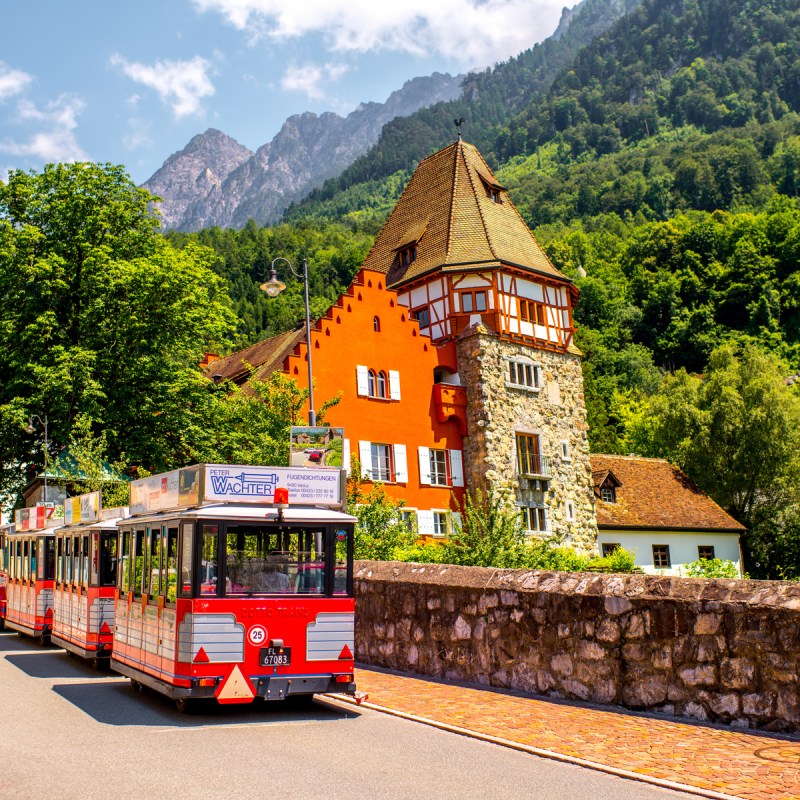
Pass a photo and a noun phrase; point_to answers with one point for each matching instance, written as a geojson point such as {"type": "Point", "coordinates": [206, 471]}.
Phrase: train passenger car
{"type": "Point", "coordinates": [31, 567]}
{"type": "Point", "coordinates": [4, 531]}
{"type": "Point", "coordinates": [85, 578]}
{"type": "Point", "coordinates": [224, 593]}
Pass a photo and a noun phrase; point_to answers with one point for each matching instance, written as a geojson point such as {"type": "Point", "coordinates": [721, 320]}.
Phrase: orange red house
{"type": "Point", "coordinates": [452, 350]}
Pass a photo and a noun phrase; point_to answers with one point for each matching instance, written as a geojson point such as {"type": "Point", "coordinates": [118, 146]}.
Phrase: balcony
{"type": "Point", "coordinates": [450, 404]}
{"type": "Point", "coordinates": [533, 465]}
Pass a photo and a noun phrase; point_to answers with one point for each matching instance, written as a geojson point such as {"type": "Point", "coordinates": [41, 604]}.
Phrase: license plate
{"type": "Point", "coordinates": [275, 656]}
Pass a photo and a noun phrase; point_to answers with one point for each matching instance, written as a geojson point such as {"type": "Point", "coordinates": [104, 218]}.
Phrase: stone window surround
{"type": "Point", "coordinates": [537, 374]}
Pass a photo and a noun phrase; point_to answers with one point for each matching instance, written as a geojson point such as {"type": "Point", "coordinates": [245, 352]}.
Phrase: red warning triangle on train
{"type": "Point", "coordinates": [201, 657]}
{"type": "Point", "coordinates": [346, 652]}
{"type": "Point", "coordinates": [104, 628]}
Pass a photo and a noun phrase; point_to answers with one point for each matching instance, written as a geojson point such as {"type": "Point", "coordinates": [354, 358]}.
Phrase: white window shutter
{"type": "Point", "coordinates": [457, 522]}
{"type": "Point", "coordinates": [457, 467]}
{"type": "Point", "coordinates": [346, 455]}
{"type": "Point", "coordinates": [425, 467]}
{"type": "Point", "coordinates": [394, 384]}
{"type": "Point", "coordinates": [362, 381]}
{"type": "Point", "coordinates": [365, 457]}
{"type": "Point", "coordinates": [400, 463]}
{"type": "Point", "coordinates": [425, 523]}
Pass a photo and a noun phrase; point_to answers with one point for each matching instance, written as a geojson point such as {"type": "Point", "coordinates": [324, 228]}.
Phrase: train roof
{"type": "Point", "coordinates": [250, 513]}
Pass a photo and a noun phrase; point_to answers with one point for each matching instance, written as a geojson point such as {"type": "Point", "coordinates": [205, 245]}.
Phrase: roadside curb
{"type": "Point", "coordinates": [538, 751]}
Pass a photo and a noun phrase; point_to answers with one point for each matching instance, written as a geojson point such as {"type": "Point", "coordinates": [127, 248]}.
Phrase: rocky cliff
{"type": "Point", "coordinates": [214, 180]}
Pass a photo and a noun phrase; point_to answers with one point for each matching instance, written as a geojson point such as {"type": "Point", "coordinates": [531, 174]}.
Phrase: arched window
{"type": "Point", "coordinates": [376, 324]}
{"type": "Point", "coordinates": [382, 384]}
{"type": "Point", "coordinates": [371, 384]}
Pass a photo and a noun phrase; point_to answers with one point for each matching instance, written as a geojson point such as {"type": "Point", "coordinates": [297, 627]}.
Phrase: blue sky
{"type": "Point", "coordinates": [132, 82]}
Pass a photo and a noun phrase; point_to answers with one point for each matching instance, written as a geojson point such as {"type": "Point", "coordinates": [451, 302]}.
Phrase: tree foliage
{"type": "Point", "coordinates": [100, 317]}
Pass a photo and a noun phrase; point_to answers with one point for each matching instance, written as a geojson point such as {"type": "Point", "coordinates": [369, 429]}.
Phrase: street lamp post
{"type": "Point", "coordinates": [273, 287]}
{"type": "Point", "coordinates": [30, 429]}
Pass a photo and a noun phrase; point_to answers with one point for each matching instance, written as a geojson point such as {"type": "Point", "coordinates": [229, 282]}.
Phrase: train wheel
{"type": "Point", "coordinates": [136, 686]}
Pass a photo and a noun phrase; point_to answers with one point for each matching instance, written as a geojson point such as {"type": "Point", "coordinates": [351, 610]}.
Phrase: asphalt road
{"type": "Point", "coordinates": [68, 732]}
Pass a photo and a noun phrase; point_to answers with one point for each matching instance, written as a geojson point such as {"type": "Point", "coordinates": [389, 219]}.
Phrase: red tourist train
{"type": "Point", "coordinates": [30, 559]}
{"type": "Point", "coordinates": [86, 577]}
{"type": "Point", "coordinates": [236, 583]}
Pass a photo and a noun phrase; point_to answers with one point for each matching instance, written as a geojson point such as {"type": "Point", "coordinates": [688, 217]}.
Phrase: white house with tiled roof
{"type": "Point", "coordinates": [649, 507]}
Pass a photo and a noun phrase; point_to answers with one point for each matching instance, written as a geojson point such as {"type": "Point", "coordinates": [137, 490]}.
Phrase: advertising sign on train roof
{"type": "Point", "coordinates": [228, 483]}
{"type": "Point", "coordinates": [85, 508]}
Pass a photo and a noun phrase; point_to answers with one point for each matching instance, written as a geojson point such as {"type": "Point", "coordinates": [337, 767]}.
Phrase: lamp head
{"type": "Point", "coordinates": [273, 287]}
{"type": "Point", "coordinates": [29, 427]}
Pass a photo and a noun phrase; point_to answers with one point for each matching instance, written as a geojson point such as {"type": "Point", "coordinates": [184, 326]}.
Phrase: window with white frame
{"type": "Point", "coordinates": [524, 373]}
{"type": "Point", "coordinates": [383, 462]}
{"type": "Point", "coordinates": [570, 509]}
{"type": "Point", "coordinates": [440, 523]}
{"type": "Point", "coordinates": [534, 517]}
{"type": "Point", "coordinates": [378, 384]}
{"type": "Point", "coordinates": [439, 471]}
{"type": "Point", "coordinates": [439, 467]}
{"type": "Point", "coordinates": [381, 455]}
{"type": "Point", "coordinates": [565, 451]}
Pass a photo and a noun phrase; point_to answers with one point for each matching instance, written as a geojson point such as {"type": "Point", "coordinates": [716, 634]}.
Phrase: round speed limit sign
{"type": "Point", "coordinates": [257, 635]}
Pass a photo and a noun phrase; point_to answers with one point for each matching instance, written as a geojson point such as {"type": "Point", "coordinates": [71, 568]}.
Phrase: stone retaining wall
{"type": "Point", "coordinates": [719, 650]}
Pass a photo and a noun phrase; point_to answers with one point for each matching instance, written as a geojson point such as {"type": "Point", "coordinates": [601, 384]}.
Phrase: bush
{"type": "Point", "coordinates": [710, 568]}
{"type": "Point", "coordinates": [620, 560]}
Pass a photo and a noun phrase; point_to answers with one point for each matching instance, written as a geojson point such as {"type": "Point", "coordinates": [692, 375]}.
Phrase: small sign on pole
{"type": "Point", "coordinates": [316, 447]}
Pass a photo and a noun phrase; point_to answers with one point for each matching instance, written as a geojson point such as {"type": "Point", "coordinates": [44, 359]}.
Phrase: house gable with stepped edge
{"type": "Point", "coordinates": [649, 507]}
{"type": "Point", "coordinates": [475, 324]}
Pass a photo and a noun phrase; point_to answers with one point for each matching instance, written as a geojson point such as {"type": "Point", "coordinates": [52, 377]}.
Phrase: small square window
{"type": "Point", "coordinates": [534, 518]}
{"type": "Point", "coordinates": [440, 523]}
{"type": "Point", "coordinates": [608, 493]}
{"type": "Point", "coordinates": [705, 551]}
{"type": "Point", "coordinates": [661, 559]}
{"type": "Point", "coordinates": [422, 315]}
{"type": "Point", "coordinates": [609, 547]}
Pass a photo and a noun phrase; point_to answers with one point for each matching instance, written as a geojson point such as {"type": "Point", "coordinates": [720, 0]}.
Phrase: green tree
{"type": "Point", "coordinates": [101, 317]}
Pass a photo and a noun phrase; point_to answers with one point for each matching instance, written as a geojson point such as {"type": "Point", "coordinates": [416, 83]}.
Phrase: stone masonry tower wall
{"type": "Point", "coordinates": [497, 411]}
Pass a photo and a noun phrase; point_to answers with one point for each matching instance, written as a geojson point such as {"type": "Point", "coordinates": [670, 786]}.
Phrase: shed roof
{"type": "Point", "coordinates": [652, 493]}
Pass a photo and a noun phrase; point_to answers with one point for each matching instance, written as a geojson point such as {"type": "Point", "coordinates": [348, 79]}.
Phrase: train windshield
{"type": "Point", "coordinates": [265, 560]}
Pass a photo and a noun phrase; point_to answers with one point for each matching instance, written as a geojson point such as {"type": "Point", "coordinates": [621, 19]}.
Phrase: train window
{"type": "Point", "coordinates": [108, 559]}
{"type": "Point", "coordinates": [187, 551]}
{"type": "Point", "coordinates": [137, 549]}
{"type": "Point", "coordinates": [169, 581]}
{"type": "Point", "coordinates": [94, 560]}
{"type": "Point", "coordinates": [60, 559]}
{"type": "Point", "coordinates": [152, 577]}
{"type": "Point", "coordinates": [68, 560]}
{"type": "Point", "coordinates": [26, 557]}
{"type": "Point", "coordinates": [45, 558]}
{"type": "Point", "coordinates": [76, 560]}
{"type": "Point", "coordinates": [208, 560]}
{"type": "Point", "coordinates": [84, 561]}
{"type": "Point", "coordinates": [125, 562]}
{"type": "Point", "coordinates": [274, 561]}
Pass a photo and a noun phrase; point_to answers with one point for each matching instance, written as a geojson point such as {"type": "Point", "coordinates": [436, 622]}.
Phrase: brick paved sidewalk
{"type": "Point", "coordinates": [752, 766]}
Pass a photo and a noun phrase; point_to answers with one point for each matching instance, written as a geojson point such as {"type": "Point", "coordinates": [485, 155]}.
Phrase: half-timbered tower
{"type": "Point", "coordinates": [470, 271]}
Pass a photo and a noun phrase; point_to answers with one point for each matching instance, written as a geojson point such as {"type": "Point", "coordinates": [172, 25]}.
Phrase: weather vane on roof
{"type": "Point", "coordinates": [458, 123]}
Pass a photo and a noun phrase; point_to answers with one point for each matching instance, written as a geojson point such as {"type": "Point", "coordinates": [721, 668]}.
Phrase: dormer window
{"type": "Point", "coordinates": [608, 493]}
{"type": "Point", "coordinates": [494, 191]}
{"type": "Point", "coordinates": [407, 255]}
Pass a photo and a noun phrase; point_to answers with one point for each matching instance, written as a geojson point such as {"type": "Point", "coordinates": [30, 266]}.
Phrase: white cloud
{"type": "Point", "coordinates": [309, 78]}
{"type": "Point", "coordinates": [476, 33]}
{"type": "Point", "coordinates": [137, 135]}
{"type": "Point", "coordinates": [12, 81]}
{"type": "Point", "coordinates": [55, 141]}
{"type": "Point", "coordinates": [182, 85]}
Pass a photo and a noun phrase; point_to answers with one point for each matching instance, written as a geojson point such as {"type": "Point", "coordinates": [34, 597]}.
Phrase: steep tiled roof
{"type": "Point", "coordinates": [652, 493]}
{"type": "Point", "coordinates": [264, 357]}
{"type": "Point", "coordinates": [447, 204]}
